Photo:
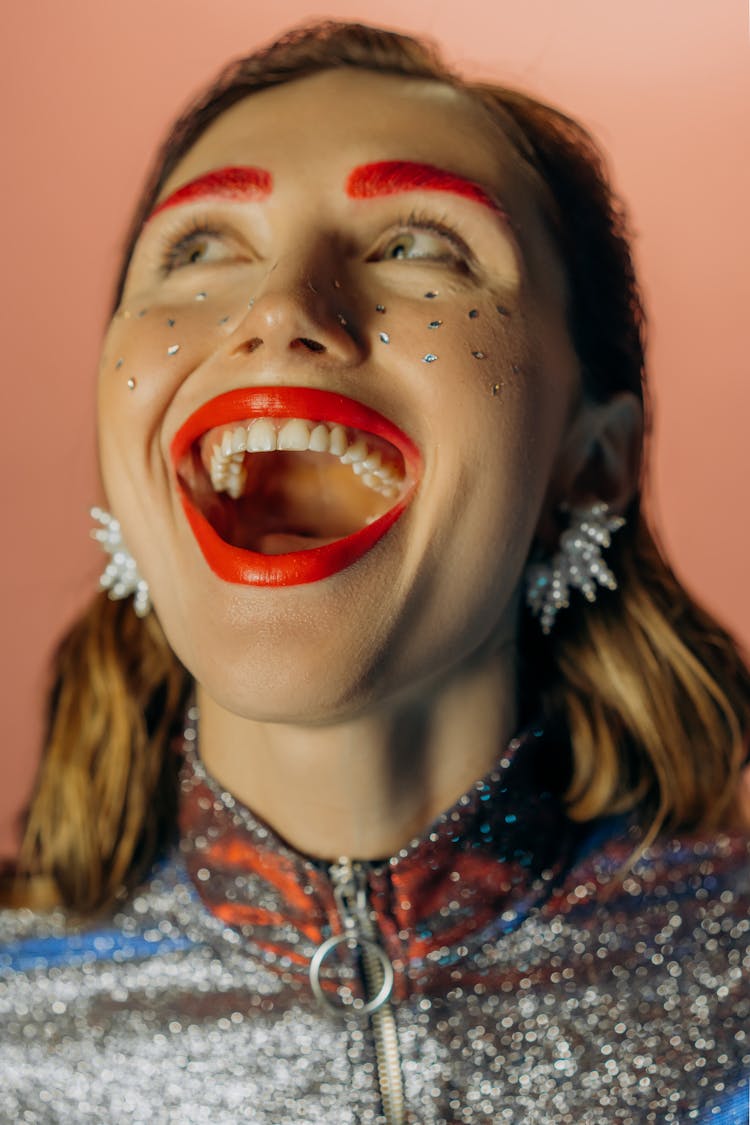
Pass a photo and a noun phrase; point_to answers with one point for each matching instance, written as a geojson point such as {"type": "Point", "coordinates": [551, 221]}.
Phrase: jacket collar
{"type": "Point", "coordinates": [475, 873]}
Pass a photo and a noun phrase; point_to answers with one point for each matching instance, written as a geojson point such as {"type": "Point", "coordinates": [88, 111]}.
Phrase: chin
{"type": "Point", "coordinates": [284, 694]}
{"type": "Point", "coordinates": [275, 664]}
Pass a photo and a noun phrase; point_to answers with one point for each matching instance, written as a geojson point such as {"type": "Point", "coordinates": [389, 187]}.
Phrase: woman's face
{"type": "Point", "coordinates": [375, 239]}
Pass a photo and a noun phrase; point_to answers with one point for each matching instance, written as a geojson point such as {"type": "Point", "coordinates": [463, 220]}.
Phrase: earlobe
{"type": "Point", "coordinates": [610, 466]}
{"type": "Point", "coordinates": [599, 462]}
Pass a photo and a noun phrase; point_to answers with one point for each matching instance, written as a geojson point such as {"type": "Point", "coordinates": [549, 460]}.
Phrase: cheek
{"type": "Point", "coordinates": [497, 376]}
{"type": "Point", "coordinates": [461, 349]}
{"type": "Point", "coordinates": [467, 357]}
{"type": "Point", "coordinates": [151, 348]}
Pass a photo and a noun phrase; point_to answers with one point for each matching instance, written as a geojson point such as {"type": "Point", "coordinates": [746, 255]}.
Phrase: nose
{"type": "Point", "coordinates": [302, 313]}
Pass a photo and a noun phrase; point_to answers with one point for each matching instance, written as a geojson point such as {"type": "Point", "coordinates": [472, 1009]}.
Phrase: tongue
{"type": "Point", "coordinates": [298, 501]}
{"type": "Point", "coordinates": [282, 543]}
{"type": "Point", "coordinates": [271, 528]}
{"type": "Point", "coordinates": [291, 502]}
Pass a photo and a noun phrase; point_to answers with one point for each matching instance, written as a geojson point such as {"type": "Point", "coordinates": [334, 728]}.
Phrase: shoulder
{"type": "Point", "coordinates": [36, 934]}
{"type": "Point", "coordinates": [675, 916]}
{"type": "Point", "coordinates": [612, 868]}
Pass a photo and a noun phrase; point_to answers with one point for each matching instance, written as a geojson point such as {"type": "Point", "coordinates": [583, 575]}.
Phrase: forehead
{"type": "Point", "coordinates": [340, 118]}
{"type": "Point", "coordinates": [311, 132]}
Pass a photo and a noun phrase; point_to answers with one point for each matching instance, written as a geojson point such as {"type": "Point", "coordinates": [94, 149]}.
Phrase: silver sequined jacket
{"type": "Point", "coordinates": [496, 970]}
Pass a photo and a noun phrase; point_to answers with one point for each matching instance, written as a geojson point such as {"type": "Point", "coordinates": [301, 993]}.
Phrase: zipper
{"type": "Point", "coordinates": [350, 893]}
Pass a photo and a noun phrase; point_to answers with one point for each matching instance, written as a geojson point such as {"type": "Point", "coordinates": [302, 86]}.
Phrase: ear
{"type": "Point", "coordinates": [599, 460]}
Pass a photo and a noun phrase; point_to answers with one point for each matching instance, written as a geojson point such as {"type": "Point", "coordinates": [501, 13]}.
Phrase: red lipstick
{"type": "Point", "coordinates": [246, 567]}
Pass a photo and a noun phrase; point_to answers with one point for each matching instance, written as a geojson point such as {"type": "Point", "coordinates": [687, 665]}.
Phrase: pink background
{"type": "Point", "coordinates": [89, 88]}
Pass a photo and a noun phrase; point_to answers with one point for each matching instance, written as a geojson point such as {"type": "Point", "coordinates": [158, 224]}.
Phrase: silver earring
{"type": "Point", "coordinates": [120, 577]}
{"type": "Point", "coordinates": [577, 564]}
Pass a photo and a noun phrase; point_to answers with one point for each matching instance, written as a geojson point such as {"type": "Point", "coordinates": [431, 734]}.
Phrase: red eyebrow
{"type": "Point", "coordinates": [388, 177]}
{"type": "Point", "coordinates": [225, 183]}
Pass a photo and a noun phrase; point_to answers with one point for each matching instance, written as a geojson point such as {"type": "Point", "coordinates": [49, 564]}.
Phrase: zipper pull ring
{"type": "Point", "coordinates": [350, 893]}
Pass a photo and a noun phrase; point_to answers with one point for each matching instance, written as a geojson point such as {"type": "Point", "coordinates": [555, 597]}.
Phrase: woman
{"type": "Point", "coordinates": [370, 420]}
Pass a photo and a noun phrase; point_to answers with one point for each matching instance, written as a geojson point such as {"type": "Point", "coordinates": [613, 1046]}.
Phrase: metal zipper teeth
{"type": "Point", "coordinates": [344, 876]}
{"type": "Point", "coordinates": [386, 1046]}
{"type": "Point", "coordinates": [351, 878]}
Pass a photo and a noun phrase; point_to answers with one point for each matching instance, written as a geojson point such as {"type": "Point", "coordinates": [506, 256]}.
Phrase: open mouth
{"type": "Point", "coordinates": [285, 485]}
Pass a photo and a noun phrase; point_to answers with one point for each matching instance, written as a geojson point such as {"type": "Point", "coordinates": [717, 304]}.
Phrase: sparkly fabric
{"type": "Point", "coordinates": [531, 985]}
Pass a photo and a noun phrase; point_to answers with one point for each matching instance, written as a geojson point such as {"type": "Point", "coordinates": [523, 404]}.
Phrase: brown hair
{"type": "Point", "coordinates": [654, 694]}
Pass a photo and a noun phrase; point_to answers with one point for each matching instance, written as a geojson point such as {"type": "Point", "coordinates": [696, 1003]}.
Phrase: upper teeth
{"type": "Point", "coordinates": [264, 435]}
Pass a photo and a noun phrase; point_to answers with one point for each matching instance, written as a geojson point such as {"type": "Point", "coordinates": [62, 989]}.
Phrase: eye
{"type": "Point", "coordinates": [197, 246]}
{"type": "Point", "coordinates": [417, 244]}
{"type": "Point", "coordinates": [423, 240]}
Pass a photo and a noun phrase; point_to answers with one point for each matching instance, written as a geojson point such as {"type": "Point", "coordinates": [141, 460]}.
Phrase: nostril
{"type": "Point", "coordinates": [311, 345]}
{"type": "Point", "coordinates": [248, 346]}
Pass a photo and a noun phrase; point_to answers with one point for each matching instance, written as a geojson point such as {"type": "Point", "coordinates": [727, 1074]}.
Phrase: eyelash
{"type": "Point", "coordinates": [420, 220]}
{"type": "Point", "coordinates": [177, 241]}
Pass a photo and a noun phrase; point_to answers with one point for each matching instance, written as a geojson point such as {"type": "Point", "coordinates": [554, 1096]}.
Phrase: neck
{"type": "Point", "coordinates": [366, 786]}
